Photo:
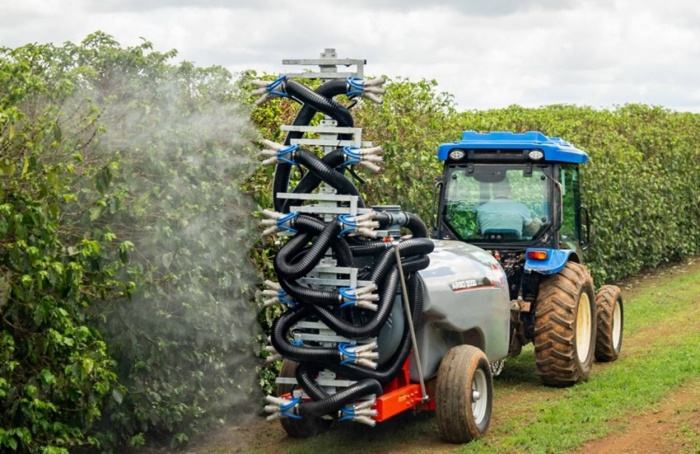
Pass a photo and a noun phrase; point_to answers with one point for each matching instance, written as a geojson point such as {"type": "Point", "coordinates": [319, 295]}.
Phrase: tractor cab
{"type": "Point", "coordinates": [516, 195]}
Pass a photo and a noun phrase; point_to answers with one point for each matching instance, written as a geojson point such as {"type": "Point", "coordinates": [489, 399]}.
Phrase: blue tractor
{"type": "Point", "coordinates": [517, 196]}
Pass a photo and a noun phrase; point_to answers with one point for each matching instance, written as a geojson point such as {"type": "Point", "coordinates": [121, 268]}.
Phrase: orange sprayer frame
{"type": "Point", "coordinates": [401, 395]}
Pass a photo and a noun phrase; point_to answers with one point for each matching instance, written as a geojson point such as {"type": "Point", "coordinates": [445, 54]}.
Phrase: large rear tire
{"type": "Point", "coordinates": [463, 394]}
{"type": "Point", "coordinates": [298, 428]}
{"type": "Point", "coordinates": [565, 328]}
{"type": "Point", "coordinates": [610, 320]}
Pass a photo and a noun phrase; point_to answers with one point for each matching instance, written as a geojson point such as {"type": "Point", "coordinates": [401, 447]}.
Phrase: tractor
{"type": "Point", "coordinates": [517, 196]}
{"type": "Point", "coordinates": [379, 317]}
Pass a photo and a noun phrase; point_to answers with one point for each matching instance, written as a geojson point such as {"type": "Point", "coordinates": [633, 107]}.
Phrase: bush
{"type": "Point", "coordinates": [55, 371]}
{"type": "Point", "coordinates": [130, 186]}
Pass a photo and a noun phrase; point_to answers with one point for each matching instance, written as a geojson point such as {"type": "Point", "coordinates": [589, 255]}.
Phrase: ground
{"type": "Point", "coordinates": [671, 425]}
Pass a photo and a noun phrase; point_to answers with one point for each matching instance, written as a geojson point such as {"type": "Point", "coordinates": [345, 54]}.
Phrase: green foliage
{"type": "Point", "coordinates": [409, 125]}
{"type": "Point", "coordinates": [55, 371]}
{"type": "Point", "coordinates": [124, 237]}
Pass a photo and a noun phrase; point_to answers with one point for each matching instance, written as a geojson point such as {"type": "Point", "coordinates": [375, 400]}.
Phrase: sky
{"type": "Point", "coordinates": [486, 53]}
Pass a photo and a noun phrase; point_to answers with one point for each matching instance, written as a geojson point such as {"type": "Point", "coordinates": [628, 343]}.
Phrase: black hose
{"type": "Point", "coordinates": [374, 325]}
{"type": "Point", "coordinates": [335, 402]}
{"type": "Point", "coordinates": [315, 253]}
{"type": "Point", "coordinates": [306, 295]}
{"type": "Point", "coordinates": [304, 117]}
{"type": "Point", "coordinates": [321, 103]}
{"type": "Point", "coordinates": [416, 226]}
{"type": "Point", "coordinates": [411, 221]}
{"type": "Point", "coordinates": [389, 369]}
{"type": "Point", "coordinates": [305, 378]}
{"type": "Point", "coordinates": [311, 181]}
{"type": "Point", "coordinates": [328, 174]}
{"type": "Point", "coordinates": [369, 248]}
{"type": "Point", "coordinates": [298, 353]}
{"type": "Point", "coordinates": [417, 246]}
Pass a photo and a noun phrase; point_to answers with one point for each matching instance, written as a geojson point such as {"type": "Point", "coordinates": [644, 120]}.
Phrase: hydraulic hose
{"type": "Point", "coordinates": [387, 259]}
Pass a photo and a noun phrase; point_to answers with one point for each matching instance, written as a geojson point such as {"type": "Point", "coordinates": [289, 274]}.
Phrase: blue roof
{"type": "Point", "coordinates": [554, 148]}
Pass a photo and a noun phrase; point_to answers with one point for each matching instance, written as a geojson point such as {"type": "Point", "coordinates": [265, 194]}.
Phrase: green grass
{"type": "Point", "coordinates": [648, 369]}
{"type": "Point", "coordinates": [660, 354]}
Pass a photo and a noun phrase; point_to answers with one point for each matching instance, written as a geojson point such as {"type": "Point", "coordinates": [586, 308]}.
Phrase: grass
{"type": "Point", "coordinates": [660, 354]}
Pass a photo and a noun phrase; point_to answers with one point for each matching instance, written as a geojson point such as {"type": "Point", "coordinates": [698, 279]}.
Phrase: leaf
{"type": "Point", "coordinates": [167, 259]}
{"type": "Point", "coordinates": [5, 290]}
{"type": "Point", "coordinates": [25, 167]}
{"type": "Point", "coordinates": [117, 396]}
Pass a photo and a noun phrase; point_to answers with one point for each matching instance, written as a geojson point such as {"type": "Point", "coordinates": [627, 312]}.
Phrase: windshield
{"type": "Point", "coordinates": [487, 202]}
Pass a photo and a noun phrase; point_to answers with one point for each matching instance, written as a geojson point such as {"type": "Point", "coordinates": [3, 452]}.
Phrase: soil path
{"type": "Point", "coordinates": [664, 430]}
{"type": "Point", "coordinates": [673, 426]}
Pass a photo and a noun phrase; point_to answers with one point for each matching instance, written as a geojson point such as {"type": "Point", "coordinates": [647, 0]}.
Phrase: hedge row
{"type": "Point", "coordinates": [125, 286]}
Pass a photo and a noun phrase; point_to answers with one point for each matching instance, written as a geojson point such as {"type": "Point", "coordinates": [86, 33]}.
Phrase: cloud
{"type": "Point", "coordinates": [150, 5]}
{"type": "Point", "coordinates": [488, 54]}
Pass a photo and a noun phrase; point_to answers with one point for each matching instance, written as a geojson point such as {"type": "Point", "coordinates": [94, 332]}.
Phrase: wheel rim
{"type": "Point", "coordinates": [617, 325]}
{"type": "Point", "coordinates": [480, 396]}
{"type": "Point", "coordinates": [583, 328]}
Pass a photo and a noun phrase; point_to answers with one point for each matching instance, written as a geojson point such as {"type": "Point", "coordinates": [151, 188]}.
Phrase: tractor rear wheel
{"type": "Point", "coordinates": [610, 319]}
{"type": "Point", "coordinates": [298, 428]}
{"type": "Point", "coordinates": [463, 394]}
{"type": "Point", "coordinates": [565, 328]}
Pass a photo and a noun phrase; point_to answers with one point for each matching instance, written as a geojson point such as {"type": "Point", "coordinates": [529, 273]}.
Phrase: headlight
{"type": "Point", "coordinates": [536, 155]}
{"type": "Point", "coordinates": [456, 154]}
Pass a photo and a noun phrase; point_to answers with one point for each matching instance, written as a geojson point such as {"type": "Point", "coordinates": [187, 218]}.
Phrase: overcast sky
{"type": "Point", "coordinates": [487, 53]}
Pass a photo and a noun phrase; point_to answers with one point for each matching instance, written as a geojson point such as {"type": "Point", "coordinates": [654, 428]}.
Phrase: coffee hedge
{"type": "Point", "coordinates": [126, 287]}
{"type": "Point", "coordinates": [129, 255]}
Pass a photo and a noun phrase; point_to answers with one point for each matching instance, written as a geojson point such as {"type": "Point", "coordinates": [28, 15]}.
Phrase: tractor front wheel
{"type": "Point", "coordinates": [609, 318]}
{"type": "Point", "coordinates": [565, 327]}
{"type": "Point", "coordinates": [463, 394]}
{"type": "Point", "coordinates": [298, 428]}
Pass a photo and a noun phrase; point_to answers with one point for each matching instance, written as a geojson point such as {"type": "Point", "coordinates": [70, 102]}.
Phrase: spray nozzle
{"type": "Point", "coordinates": [362, 224]}
{"type": "Point", "coordinates": [274, 355]}
{"type": "Point", "coordinates": [362, 413]}
{"type": "Point", "coordinates": [269, 90]}
{"type": "Point", "coordinates": [359, 297]}
{"type": "Point", "coordinates": [370, 89]}
{"type": "Point", "coordinates": [277, 295]}
{"type": "Point", "coordinates": [278, 153]}
{"type": "Point", "coordinates": [358, 354]}
{"type": "Point", "coordinates": [278, 221]}
{"type": "Point", "coordinates": [282, 408]}
{"type": "Point", "coordinates": [367, 157]}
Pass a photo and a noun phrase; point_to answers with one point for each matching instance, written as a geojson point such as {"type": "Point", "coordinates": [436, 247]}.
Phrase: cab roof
{"type": "Point", "coordinates": [554, 148]}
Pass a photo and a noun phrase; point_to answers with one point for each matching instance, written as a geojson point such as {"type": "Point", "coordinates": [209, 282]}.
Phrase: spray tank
{"type": "Point", "coordinates": [370, 314]}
